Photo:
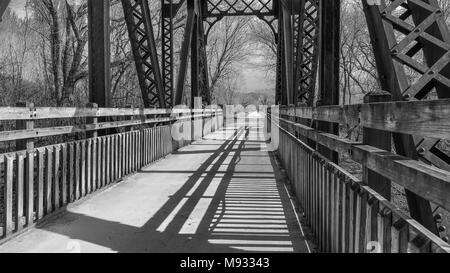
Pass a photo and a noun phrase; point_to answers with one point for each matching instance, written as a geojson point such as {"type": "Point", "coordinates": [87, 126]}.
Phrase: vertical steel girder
{"type": "Point", "coordinates": [411, 40]}
{"type": "Point", "coordinates": [140, 30]}
{"type": "Point", "coordinates": [280, 97]}
{"type": "Point", "coordinates": [307, 35]}
{"type": "Point", "coordinates": [99, 53]}
{"type": "Point", "coordinates": [185, 47]}
{"type": "Point", "coordinates": [194, 41]}
{"type": "Point", "coordinates": [167, 49]}
{"type": "Point", "coordinates": [169, 9]}
{"type": "Point", "coordinates": [203, 60]}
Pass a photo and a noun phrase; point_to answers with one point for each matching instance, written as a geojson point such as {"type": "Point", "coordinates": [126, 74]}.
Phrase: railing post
{"type": "Point", "coordinates": [25, 144]}
{"type": "Point", "coordinates": [130, 128]}
{"type": "Point", "coordinates": [379, 139]}
{"type": "Point", "coordinates": [92, 120]}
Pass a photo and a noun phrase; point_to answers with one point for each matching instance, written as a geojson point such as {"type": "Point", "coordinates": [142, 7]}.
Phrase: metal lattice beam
{"type": "Point", "coordinates": [140, 30]}
{"type": "Point", "coordinates": [170, 9]}
{"type": "Point", "coordinates": [307, 35]}
{"type": "Point", "coordinates": [220, 8]}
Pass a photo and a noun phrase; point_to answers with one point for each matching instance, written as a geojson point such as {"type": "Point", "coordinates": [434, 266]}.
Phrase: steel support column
{"type": "Point", "coordinates": [286, 22]}
{"type": "Point", "coordinates": [167, 49]}
{"type": "Point", "coordinates": [99, 52]}
{"type": "Point", "coordinates": [329, 66]}
{"type": "Point", "coordinates": [140, 30]}
{"type": "Point", "coordinates": [184, 55]}
{"type": "Point", "coordinates": [307, 28]}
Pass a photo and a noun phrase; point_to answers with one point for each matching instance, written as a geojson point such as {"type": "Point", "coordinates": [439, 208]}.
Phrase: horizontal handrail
{"type": "Point", "coordinates": [346, 215]}
{"type": "Point", "coordinates": [139, 117]}
{"type": "Point", "coordinates": [38, 113]}
{"type": "Point", "coordinates": [425, 180]}
{"type": "Point", "coordinates": [429, 119]}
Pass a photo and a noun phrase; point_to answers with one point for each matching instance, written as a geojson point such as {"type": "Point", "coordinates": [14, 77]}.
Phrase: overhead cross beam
{"type": "Point", "coordinates": [140, 30]}
{"type": "Point", "coordinates": [220, 8]}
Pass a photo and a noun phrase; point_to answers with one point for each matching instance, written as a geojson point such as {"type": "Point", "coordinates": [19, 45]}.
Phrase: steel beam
{"type": "Point", "coordinates": [307, 27]}
{"type": "Point", "coordinates": [99, 52]}
{"type": "Point", "coordinates": [220, 8]}
{"type": "Point", "coordinates": [288, 41]}
{"type": "Point", "coordinates": [281, 94]}
{"type": "Point", "coordinates": [184, 55]}
{"type": "Point", "coordinates": [140, 30]}
{"type": "Point", "coordinates": [170, 10]}
{"type": "Point", "coordinates": [329, 67]}
{"type": "Point", "coordinates": [424, 33]}
{"type": "Point", "coordinates": [3, 5]}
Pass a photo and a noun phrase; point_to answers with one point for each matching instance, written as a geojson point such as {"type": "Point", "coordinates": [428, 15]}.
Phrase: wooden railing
{"type": "Point", "coordinates": [345, 214]}
{"type": "Point", "coordinates": [37, 182]}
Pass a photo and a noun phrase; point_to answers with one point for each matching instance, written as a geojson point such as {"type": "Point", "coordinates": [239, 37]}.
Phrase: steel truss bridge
{"type": "Point", "coordinates": [404, 128]}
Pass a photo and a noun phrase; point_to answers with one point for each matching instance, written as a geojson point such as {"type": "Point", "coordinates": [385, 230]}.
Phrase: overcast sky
{"type": "Point", "coordinates": [254, 80]}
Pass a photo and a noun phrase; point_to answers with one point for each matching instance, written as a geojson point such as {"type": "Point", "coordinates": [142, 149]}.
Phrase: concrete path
{"type": "Point", "coordinates": [222, 194]}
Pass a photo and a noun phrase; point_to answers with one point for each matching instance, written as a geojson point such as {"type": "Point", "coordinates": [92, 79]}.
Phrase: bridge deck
{"type": "Point", "coordinates": [223, 195]}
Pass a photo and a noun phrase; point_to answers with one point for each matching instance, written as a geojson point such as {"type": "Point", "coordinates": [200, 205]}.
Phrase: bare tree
{"type": "Point", "coordinates": [63, 27]}
{"type": "Point", "coordinates": [227, 48]}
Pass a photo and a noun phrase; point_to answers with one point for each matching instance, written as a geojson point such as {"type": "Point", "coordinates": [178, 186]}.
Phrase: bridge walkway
{"type": "Point", "coordinates": [224, 193]}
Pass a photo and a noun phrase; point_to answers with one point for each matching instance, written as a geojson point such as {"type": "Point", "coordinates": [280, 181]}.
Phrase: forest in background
{"type": "Point", "coordinates": [43, 55]}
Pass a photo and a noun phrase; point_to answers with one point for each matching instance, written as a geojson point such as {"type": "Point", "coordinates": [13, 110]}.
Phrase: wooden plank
{"type": "Point", "coordinates": [107, 160]}
{"type": "Point", "coordinates": [104, 152]}
{"type": "Point", "coordinates": [120, 156]}
{"type": "Point", "coordinates": [64, 174]}
{"type": "Point", "coordinates": [100, 173]}
{"type": "Point", "coordinates": [337, 215]}
{"type": "Point", "coordinates": [8, 195]}
{"type": "Point", "coordinates": [23, 113]}
{"type": "Point", "coordinates": [48, 182]}
{"type": "Point", "coordinates": [29, 188]}
{"type": "Point", "coordinates": [116, 157]}
{"type": "Point", "coordinates": [384, 222]}
{"type": "Point", "coordinates": [94, 164]}
{"type": "Point", "coordinates": [429, 182]}
{"type": "Point", "coordinates": [65, 130]}
{"type": "Point", "coordinates": [20, 162]}
{"type": "Point", "coordinates": [327, 197]}
{"type": "Point", "coordinates": [77, 181]}
{"type": "Point", "coordinates": [133, 151]}
{"type": "Point", "coordinates": [88, 167]}
{"type": "Point", "coordinates": [71, 172]}
{"type": "Point", "coordinates": [56, 177]}
{"type": "Point", "coordinates": [343, 216]}
{"type": "Point", "coordinates": [358, 211]}
{"type": "Point", "coordinates": [82, 187]}
{"type": "Point", "coordinates": [40, 193]}
{"type": "Point", "coordinates": [423, 118]}
{"type": "Point", "coordinates": [363, 218]}
{"type": "Point", "coordinates": [351, 218]}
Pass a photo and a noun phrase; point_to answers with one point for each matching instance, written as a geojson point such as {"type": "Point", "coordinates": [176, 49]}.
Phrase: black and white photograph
{"type": "Point", "coordinates": [225, 135]}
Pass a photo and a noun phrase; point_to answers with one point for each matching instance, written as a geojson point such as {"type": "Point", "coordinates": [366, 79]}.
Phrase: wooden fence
{"type": "Point", "coordinates": [345, 214]}
{"type": "Point", "coordinates": [37, 182]}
